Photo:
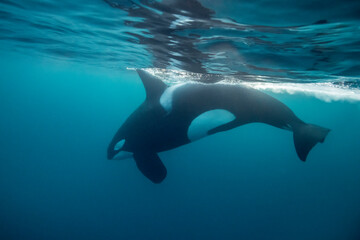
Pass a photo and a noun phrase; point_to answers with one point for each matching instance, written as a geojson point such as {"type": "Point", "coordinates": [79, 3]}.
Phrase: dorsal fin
{"type": "Point", "coordinates": [154, 87]}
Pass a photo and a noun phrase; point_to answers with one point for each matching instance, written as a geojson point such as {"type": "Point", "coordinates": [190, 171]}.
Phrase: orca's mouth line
{"type": "Point", "coordinates": [122, 155]}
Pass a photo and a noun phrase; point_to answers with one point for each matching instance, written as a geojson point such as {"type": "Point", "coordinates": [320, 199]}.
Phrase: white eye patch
{"type": "Point", "coordinates": [119, 145]}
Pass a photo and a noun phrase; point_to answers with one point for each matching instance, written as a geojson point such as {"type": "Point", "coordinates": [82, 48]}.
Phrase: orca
{"type": "Point", "coordinates": [172, 116]}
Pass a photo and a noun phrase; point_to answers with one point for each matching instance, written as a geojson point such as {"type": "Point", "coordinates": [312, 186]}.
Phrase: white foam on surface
{"type": "Point", "coordinates": [326, 91]}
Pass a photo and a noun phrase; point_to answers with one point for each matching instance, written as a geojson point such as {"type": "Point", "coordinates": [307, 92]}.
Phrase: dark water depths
{"type": "Point", "coordinates": [65, 89]}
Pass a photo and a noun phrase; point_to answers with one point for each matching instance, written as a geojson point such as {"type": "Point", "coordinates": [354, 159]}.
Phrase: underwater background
{"type": "Point", "coordinates": [67, 84]}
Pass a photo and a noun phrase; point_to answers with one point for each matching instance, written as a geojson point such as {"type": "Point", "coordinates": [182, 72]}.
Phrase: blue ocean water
{"type": "Point", "coordinates": [67, 84]}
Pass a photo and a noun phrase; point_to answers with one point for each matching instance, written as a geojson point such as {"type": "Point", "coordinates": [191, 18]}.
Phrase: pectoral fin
{"type": "Point", "coordinates": [151, 166]}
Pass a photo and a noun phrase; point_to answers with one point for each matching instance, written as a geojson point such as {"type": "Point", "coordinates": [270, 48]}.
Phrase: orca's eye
{"type": "Point", "coordinates": [119, 145]}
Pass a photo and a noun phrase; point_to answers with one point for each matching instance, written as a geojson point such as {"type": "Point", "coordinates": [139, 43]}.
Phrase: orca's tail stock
{"type": "Point", "coordinates": [306, 136]}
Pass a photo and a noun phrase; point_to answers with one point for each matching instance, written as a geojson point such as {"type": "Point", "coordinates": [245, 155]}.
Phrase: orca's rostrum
{"type": "Point", "coordinates": [173, 116]}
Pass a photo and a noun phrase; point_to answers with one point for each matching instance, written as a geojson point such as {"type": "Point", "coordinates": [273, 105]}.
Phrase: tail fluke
{"type": "Point", "coordinates": [306, 136]}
